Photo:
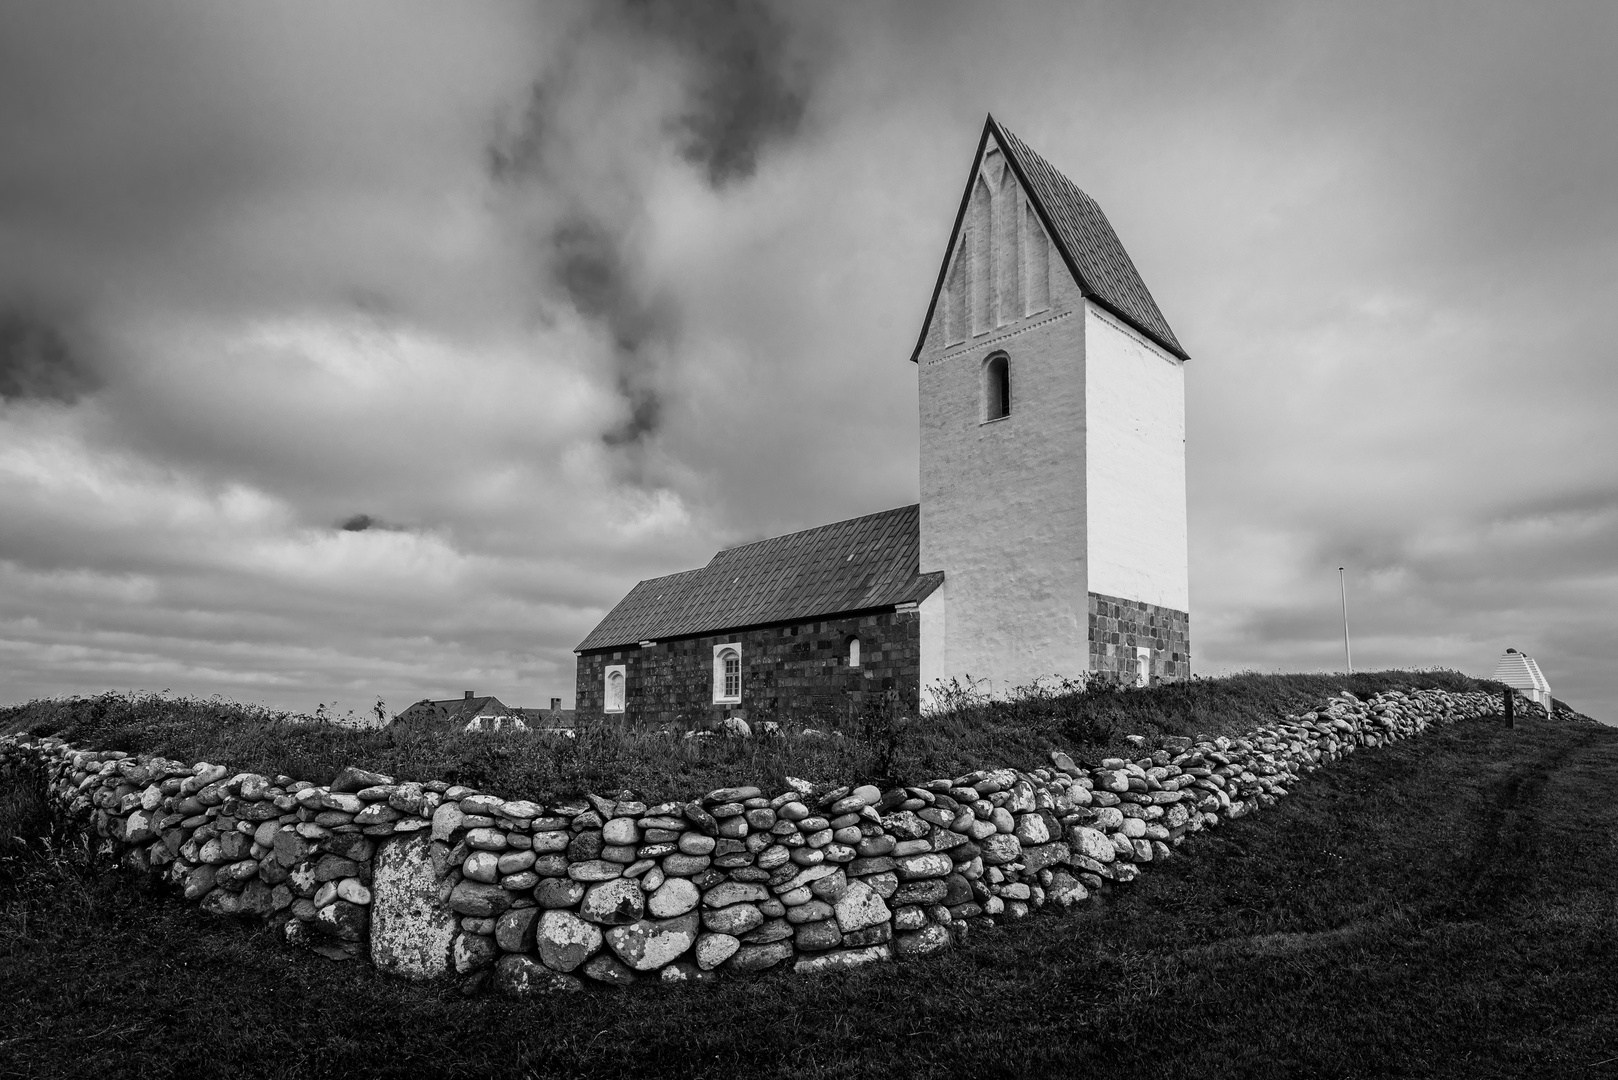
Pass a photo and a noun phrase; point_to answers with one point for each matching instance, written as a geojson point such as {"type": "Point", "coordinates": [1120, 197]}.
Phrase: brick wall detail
{"type": "Point", "coordinates": [797, 672]}
{"type": "Point", "coordinates": [1119, 626]}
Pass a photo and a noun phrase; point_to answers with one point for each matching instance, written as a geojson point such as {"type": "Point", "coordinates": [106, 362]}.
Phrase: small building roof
{"type": "Point", "coordinates": [554, 719]}
{"type": "Point", "coordinates": [860, 564]}
{"type": "Point", "coordinates": [461, 708]}
{"type": "Point", "coordinates": [1519, 671]}
{"type": "Point", "coordinates": [1085, 239]}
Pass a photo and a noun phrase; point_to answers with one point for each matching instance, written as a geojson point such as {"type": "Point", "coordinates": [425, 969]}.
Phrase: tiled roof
{"type": "Point", "coordinates": [855, 565]}
{"type": "Point", "coordinates": [1092, 251]}
{"type": "Point", "coordinates": [547, 718]}
{"type": "Point", "coordinates": [461, 708]}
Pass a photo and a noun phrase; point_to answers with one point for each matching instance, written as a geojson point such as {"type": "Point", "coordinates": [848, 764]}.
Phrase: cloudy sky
{"type": "Point", "coordinates": [356, 350]}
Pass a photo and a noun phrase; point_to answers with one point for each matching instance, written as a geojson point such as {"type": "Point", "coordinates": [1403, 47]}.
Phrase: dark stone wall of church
{"type": "Point", "coordinates": [1119, 626]}
{"type": "Point", "coordinates": [797, 673]}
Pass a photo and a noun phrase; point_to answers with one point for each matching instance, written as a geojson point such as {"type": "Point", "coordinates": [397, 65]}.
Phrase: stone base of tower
{"type": "Point", "coordinates": [1120, 629]}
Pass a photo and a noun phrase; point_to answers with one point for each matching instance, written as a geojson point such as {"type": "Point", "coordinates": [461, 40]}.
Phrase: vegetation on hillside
{"type": "Point", "coordinates": [1441, 907]}
{"type": "Point", "coordinates": [971, 733]}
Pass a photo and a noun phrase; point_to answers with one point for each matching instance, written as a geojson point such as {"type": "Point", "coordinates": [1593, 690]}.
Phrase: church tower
{"type": "Point", "coordinates": [1052, 396]}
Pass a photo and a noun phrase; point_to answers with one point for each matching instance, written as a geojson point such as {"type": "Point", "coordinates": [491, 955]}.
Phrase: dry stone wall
{"type": "Point", "coordinates": [433, 880]}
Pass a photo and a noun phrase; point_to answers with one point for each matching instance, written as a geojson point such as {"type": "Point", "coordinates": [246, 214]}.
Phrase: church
{"type": "Point", "coordinates": [1050, 539]}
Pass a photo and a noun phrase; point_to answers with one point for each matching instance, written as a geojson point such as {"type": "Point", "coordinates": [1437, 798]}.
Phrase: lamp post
{"type": "Point", "coordinates": [1342, 586]}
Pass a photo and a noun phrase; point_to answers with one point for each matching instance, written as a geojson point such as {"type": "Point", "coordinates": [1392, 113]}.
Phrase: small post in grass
{"type": "Point", "coordinates": [1511, 708]}
{"type": "Point", "coordinates": [1342, 587]}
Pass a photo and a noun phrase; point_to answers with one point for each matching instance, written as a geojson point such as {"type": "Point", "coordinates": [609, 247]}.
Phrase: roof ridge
{"type": "Point", "coordinates": [802, 575]}
{"type": "Point", "coordinates": [814, 528]}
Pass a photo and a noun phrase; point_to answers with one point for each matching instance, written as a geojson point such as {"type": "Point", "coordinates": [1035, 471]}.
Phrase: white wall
{"type": "Point", "coordinates": [1135, 465]}
{"type": "Point", "coordinates": [1002, 503]}
{"type": "Point", "coordinates": [1080, 490]}
{"type": "Point", "coordinates": [934, 612]}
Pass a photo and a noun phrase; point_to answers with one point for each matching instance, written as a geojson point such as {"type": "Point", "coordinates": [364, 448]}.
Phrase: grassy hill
{"type": "Point", "coordinates": [1441, 907]}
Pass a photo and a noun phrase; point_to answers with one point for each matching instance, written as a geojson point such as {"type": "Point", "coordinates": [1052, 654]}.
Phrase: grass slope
{"type": "Point", "coordinates": [1441, 907]}
{"type": "Point", "coordinates": [879, 748]}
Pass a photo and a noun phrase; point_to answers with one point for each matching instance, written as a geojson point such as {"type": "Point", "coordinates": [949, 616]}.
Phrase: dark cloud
{"type": "Point", "coordinates": [740, 90]}
{"type": "Point", "coordinates": [747, 87]}
{"type": "Point", "coordinates": [587, 261]}
{"type": "Point", "coordinates": [583, 240]}
{"type": "Point", "coordinates": [38, 363]}
{"type": "Point", "coordinates": [358, 523]}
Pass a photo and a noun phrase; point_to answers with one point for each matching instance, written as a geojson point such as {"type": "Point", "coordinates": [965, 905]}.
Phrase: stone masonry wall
{"type": "Point", "coordinates": [433, 880]}
{"type": "Point", "coordinates": [798, 672]}
{"type": "Point", "coordinates": [1119, 626]}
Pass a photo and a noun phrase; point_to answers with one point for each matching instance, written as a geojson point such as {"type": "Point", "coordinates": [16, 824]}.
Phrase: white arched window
{"type": "Point", "coordinates": [997, 388]}
{"type": "Point", "coordinates": [727, 674]}
{"type": "Point", "coordinates": [613, 698]}
{"type": "Point", "coordinates": [853, 652]}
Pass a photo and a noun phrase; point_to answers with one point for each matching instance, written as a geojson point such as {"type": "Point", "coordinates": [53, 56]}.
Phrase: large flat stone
{"type": "Point", "coordinates": [523, 976]}
{"type": "Point", "coordinates": [842, 960]}
{"type": "Point", "coordinates": [1093, 843]}
{"type": "Point", "coordinates": [1001, 848]}
{"type": "Point", "coordinates": [614, 903]}
{"type": "Point", "coordinates": [651, 943]}
{"type": "Point", "coordinates": [860, 907]}
{"type": "Point", "coordinates": [565, 941]}
{"type": "Point", "coordinates": [919, 867]}
{"type": "Point", "coordinates": [751, 958]}
{"type": "Point", "coordinates": [927, 940]}
{"type": "Point", "coordinates": [411, 931]}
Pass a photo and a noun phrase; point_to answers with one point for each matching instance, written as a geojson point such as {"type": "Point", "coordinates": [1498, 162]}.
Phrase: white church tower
{"type": "Point", "coordinates": [1052, 397]}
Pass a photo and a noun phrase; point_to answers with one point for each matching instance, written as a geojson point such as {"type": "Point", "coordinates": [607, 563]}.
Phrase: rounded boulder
{"type": "Point", "coordinates": [614, 903]}
{"type": "Point", "coordinates": [565, 941]}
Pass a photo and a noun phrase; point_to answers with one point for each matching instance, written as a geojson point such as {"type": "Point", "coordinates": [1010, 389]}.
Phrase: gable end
{"type": "Point", "coordinates": [1077, 227]}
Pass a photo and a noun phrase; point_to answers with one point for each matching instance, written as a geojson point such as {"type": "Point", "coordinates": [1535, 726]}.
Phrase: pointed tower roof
{"type": "Point", "coordinates": [1093, 254]}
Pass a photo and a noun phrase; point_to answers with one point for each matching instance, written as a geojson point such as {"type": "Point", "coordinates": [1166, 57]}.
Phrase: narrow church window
{"type": "Point", "coordinates": [955, 298]}
{"type": "Point", "coordinates": [1037, 295]}
{"type": "Point", "coordinates": [613, 699]}
{"type": "Point", "coordinates": [727, 673]}
{"type": "Point", "coordinates": [853, 652]}
{"type": "Point", "coordinates": [997, 388]}
{"type": "Point", "coordinates": [979, 284]}
{"type": "Point", "coordinates": [1006, 204]}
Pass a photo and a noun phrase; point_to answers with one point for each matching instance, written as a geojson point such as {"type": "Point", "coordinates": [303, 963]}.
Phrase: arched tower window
{"type": "Point", "coordinates": [613, 699]}
{"type": "Point", "coordinates": [997, 388]}
{"type": "Point", "coordinates": [853, 652]}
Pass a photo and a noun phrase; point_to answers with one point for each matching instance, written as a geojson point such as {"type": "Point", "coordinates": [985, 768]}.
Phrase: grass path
{"type": "Point", "coordinates": [1444, 907]}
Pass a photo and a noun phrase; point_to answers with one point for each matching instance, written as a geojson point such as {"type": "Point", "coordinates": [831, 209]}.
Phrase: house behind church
{"type": "Point", "coordinates": [1050, 539]}
{"type": "Point", "coordinates": [474, 712]}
